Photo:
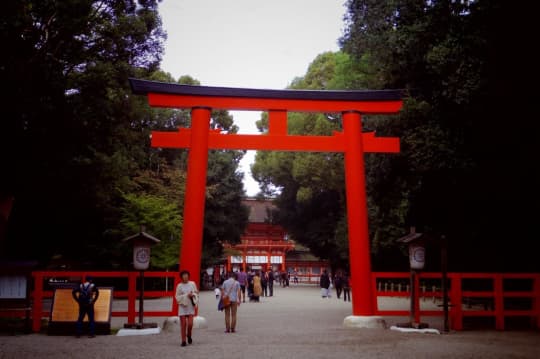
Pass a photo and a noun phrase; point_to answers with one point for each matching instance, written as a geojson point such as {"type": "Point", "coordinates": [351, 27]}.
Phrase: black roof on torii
{"type": "Point", "coordinates": [144, 87]}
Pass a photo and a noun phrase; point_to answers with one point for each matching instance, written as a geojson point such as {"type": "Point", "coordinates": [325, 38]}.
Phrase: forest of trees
{"type": "Point", "coordinates": [75, 152]}
{"type": "Point", "coordinates": [75, 147]}
{"type": "Point", "coordinates": [467, 169]}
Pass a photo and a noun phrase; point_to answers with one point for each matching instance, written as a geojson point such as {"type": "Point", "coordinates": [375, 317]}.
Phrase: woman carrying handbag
{"type": "Point", "coordinates": [187, 297]}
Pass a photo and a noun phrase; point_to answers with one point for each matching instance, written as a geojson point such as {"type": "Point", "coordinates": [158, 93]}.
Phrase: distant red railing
{"type": "Point", "coordinates": [495, 297]}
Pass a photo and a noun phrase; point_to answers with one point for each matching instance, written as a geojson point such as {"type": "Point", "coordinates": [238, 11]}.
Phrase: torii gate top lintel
{"type": "Point", "coordinates": [165, 94]}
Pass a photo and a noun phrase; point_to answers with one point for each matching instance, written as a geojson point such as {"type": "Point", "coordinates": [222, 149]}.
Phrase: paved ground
{"type": "Point", "coordinates": [295, 323]}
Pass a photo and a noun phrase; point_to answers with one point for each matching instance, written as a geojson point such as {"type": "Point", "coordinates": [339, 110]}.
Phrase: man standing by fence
{"type": "Point", "coordinates": [86, 294]}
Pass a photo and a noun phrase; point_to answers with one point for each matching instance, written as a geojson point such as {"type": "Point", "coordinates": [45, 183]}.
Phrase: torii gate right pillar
{"type": "Point", "coordinates": [359, 249]}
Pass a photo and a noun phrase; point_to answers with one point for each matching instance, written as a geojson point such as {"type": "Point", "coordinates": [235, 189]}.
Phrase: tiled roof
{"type": "Point", "coordinates": [259, 210]}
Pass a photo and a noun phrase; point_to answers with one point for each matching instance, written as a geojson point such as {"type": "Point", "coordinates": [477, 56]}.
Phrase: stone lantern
{"type": "Point", "coordinates": [142, 243]}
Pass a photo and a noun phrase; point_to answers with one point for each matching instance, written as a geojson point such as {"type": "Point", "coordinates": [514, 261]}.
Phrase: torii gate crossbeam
{"type": "Point", "coordinates": [352, 142]}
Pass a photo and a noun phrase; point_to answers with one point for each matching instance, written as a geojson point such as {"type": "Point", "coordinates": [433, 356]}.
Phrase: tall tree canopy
{"type": "Point", "coordinates": [467, 166]}
{"type": "Point", "coordinates": [465, 171]}
{"type": "Point", "coordinates": [75, 147]}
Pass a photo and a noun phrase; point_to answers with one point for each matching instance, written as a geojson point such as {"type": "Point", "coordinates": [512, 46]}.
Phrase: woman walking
{"type": "Point", "coordinates": [187, 298]}
{"type": "Point", "coordinates": [257, 287]}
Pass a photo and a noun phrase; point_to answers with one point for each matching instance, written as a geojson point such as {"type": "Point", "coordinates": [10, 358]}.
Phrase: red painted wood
{"type": "Point", "coordinates": [277, 123]}
{"type": "Point", "coordinates": [132, 296]}
{"type": "Point", "coordinates": [359, 252]}
{"type": "Point", "coordinates": [195, 195]}
{"type": "Point", "coordinates": [499, 302]}
{"type": "Point", "coordinates": [216, 140]}
{"type": "Point", "coordinates": [268, 104]}
{"type": "Point", "coordinates": [38, 302]}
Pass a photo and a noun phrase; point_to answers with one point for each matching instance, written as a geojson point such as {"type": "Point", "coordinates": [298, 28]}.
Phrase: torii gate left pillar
{"type": "Point", "coordinates": [352, 142]}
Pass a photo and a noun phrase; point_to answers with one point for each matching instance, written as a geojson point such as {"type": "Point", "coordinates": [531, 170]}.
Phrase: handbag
{"type": "Point", "coordinates": [195, 299]}
{"type": "Point", "coordinates": [226, 299]}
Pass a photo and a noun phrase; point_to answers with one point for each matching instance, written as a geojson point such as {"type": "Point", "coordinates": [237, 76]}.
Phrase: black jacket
{"type": "Point", "coordinates": [325, 281]}
{"type": "Point", "coordinates": [85, 293]}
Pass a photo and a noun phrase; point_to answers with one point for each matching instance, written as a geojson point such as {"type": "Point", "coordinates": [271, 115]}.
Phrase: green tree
{"type": "Point", "coordinates": [161, 219]}
{"type": "Point", "coordinates": [462, 166]}
{"type": "Point", "coordinates": [69, 140]}
{"type": "Point", "coordinates": [309, 187]}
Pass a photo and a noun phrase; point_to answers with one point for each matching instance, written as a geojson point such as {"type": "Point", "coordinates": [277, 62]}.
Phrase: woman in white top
{"type": "Point", "coordinates": [187, 298]}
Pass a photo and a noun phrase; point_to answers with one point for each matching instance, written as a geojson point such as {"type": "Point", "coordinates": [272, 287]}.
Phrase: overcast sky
{"type": "Point", "coordinates": [248, 43]}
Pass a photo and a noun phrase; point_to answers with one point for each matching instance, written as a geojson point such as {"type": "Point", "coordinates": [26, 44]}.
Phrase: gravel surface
{"type": "Point", "coordinates": [295, 323]}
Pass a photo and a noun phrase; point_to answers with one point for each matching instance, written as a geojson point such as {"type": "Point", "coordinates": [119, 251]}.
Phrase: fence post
{"type": "Point", "coordinates": [174, 307]}
{"type": "Point", "coordinates": [499, 302]}
{"type": "Point", "coordinates": [416, 283]}
{"type": "Point", "coordinates": [456, 311]}
{"type": "Point", "coordinates": [37, 305]}
{"type": "Point", "coordinates": [132, 296]}
{"type": "Point", "coordinates": [537, 299]}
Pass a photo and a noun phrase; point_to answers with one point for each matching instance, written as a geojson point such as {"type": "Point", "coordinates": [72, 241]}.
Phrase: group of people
{"type": "Point", "coordinates": [230, 294]}
{"type": "Point", "coordinates": [340, 282]}
{"type": "Point", "coordinates": [256, 284]}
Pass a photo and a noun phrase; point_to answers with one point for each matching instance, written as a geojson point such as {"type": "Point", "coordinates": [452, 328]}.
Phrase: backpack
{"type": "Point", "coordinates": [85, 292]}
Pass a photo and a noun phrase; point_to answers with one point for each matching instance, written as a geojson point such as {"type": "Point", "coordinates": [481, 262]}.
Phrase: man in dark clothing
{"type": "Point", "coordinates": [271, 282]}
{"type": "Point", "coordinates": [264, 283]}
{"type": "Point", "coordinates": [338, 283]}
{"type": "Point", "coordinates": [346, 288]}
{"type": "Point", "coordinates": [324, 283]}
{"type": "Point", "coordinates": [86, 294]}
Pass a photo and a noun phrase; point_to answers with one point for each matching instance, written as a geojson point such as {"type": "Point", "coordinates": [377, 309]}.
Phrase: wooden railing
{"type": "Point", "coordinates": [131, 294]}
{"type": "Point", "coordinates": [493, 291]}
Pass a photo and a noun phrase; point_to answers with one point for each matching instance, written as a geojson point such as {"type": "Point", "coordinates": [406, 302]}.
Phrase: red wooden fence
{"type": "Point", "coordinates": [495, 297]}
{"type": "Point", "coordinates": [498, 292]}
{"type": "Point", "coordinates": [132, 294]}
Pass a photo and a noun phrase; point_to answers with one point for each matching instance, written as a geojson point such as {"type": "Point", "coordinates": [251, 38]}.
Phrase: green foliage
{"type": "Point", "coordinates": [309, 186]}
{"type": "Point", "coordinates": [75, 145]}
{"type": "Point", "coordinates": [162, 220]}
{"type": "Point", "coordinates": [225, 215]}
{"type": "Point", "coordinates": [461, 163]}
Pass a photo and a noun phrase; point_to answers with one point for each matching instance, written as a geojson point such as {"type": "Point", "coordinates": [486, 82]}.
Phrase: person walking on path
{"type": "Point", "coordinates": [271, 282]}
{"type": "Point", "coordinates": [324, 283]}
{"type": "Point", "coordinates": [231, 289]}
{"type": "Point", "coordinates": [338, 284]}
{"type": "Point", "coordinates": [257, 287]}
{"type": "Point", "coordinates": [346, 288]}
{"type": "Point", "coordinates": [242, 279]}
{"type": "Point", "coordinates": [187, 298]}
{"type": "Point", "coordinates": [86, 294]}
{"type": "Point", "coordinates": [264, 283]}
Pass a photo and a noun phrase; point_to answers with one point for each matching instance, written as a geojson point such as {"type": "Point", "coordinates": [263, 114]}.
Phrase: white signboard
{"type": "Point", "coordinates": [236, 259]}
{"type": "Point", "coordinates": [12, 287]}
{"type": "Point", "coordinates": [257, 259]}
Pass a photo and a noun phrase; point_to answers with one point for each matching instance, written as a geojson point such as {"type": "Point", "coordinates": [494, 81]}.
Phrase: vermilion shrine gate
{"type": "Point", "coordinates": [199, 139]}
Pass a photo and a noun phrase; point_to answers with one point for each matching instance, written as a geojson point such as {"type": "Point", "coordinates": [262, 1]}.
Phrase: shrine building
{"type": "Point", "coordinates": [266, 245]}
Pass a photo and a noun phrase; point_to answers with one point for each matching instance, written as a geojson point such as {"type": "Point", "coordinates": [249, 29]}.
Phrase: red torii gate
{"type": "Point", "coordinates": [199, 139]}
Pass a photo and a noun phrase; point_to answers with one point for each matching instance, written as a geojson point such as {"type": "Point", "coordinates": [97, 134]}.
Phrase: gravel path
{"type": "Point", "coordinates": [295, 323]}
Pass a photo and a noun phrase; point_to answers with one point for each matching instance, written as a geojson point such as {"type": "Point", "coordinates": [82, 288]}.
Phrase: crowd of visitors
{"type": "Point", "coordinates": [233, 288]}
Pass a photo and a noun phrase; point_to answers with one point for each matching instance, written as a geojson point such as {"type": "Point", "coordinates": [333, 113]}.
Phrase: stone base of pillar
{"type": "Point", "coordinates": [172, 324]}
{"type": "Point", "coordinates": [200, 322]}
{"type": "Point", "coordinates": [128, 332]}
{"type": "Point", "coordinates": [364, 321]}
